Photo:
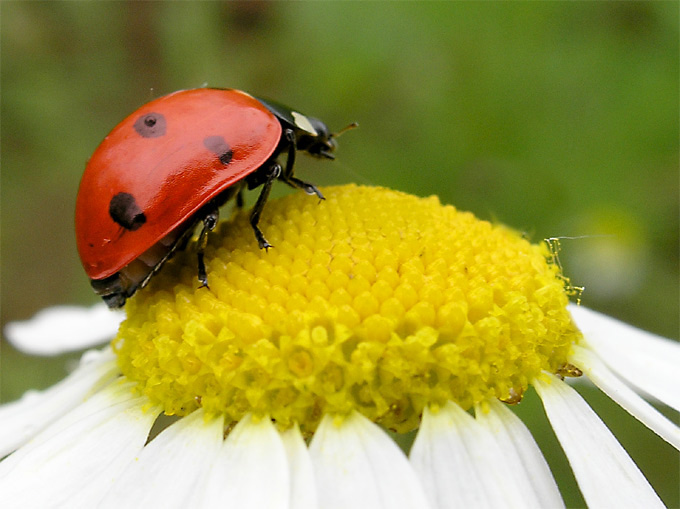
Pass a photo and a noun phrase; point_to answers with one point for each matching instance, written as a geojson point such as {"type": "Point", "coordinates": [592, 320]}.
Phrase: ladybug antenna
{"type": "Point", "coordinates": [353, 125]}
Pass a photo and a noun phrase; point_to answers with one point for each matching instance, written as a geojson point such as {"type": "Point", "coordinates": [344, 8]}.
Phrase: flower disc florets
{"type": "Point", "coordinates": [371, 300]}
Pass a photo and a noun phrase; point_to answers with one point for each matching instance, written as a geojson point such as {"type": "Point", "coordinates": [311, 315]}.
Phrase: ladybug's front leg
{"type": "Point", "coordinates": [272, 173]}
{"type": "Point", "coordinates": [209, 223]}
{"type": "Point", "coordinates": [288, 177]}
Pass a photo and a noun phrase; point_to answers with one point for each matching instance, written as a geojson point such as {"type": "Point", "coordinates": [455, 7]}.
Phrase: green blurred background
{"type": "Point", "coordinates": [559, 119]}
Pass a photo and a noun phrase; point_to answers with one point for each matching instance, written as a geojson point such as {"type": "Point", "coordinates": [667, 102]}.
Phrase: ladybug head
{"type": "Point", "coordinates": [320, 144]}
{"type": "Point", "coordinates": [323, 143]}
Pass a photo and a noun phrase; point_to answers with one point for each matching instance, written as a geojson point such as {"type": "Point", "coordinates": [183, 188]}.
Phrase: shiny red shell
{"type": "Point", "coordinates": [194, 145]}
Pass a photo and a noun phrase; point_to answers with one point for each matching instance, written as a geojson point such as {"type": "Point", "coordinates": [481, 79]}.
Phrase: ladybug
{"type": "Point", "coordinates": [170, 166]}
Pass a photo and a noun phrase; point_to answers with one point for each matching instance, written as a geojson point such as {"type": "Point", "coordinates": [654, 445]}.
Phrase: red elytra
{"type": "Point", "coordinates": [169, 166]}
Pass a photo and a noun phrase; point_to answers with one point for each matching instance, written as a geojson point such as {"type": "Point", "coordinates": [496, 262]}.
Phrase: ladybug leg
{"type": "Point", "coordinates": [272, 174]}
{"type": "Point", "coordinates": [305, 186]}
{"type": "Point", "coordinates": [288, 177]}
{"type": "Point", "coordinates": [209, 223]}
{"type": "Point", "coordinates": [292, 149]}
{"type": "Point", "coordinates": [239, 199]}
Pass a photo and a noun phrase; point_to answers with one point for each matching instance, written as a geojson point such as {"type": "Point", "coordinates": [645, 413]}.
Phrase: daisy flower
{"type": "Point", "coordinates": [275, 386]}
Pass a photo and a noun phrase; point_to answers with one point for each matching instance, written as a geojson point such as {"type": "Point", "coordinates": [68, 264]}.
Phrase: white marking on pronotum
{"type": "Point", "coordinates": [303, 123]}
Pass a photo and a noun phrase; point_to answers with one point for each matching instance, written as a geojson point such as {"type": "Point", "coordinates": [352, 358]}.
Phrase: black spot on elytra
{"type": "Point", "coordinates": [151, 125]}
{"type": "Point", "coordinates": [124, 210]}
{"type": "Point", "coordinates": [219, 146]}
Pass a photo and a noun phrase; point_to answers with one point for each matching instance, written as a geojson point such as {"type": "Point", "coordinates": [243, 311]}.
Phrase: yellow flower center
{"type": "Point", "coordinates": [372, 300]}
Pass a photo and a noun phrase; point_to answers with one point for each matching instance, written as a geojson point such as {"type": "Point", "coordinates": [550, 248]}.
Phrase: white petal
{"type": "Point", "coordinates": [646, 360]}
{"type": "Point", "coordinates": [23, 419]}
{"type": "Point", "coordinates": [357, 465]}
{"type": "Point", "coordinates": [523, 463]}
{"type": "Point", "coordinates": [463, 463]}
{"type": "Point", "coordinates": [74, 461]}
{"type": "Point", "coordinates": [303, 487]}
{"type": "Point", "coordinates": [605, 473]}
{"type": "Point", "coordinates": [595, 369]}
{"type": "Point", "coordinates": [251, 470]}
{"type": "Point", "coordinates": [171, 470]}
{"type": "Point", "coordinates": [61, 329]}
